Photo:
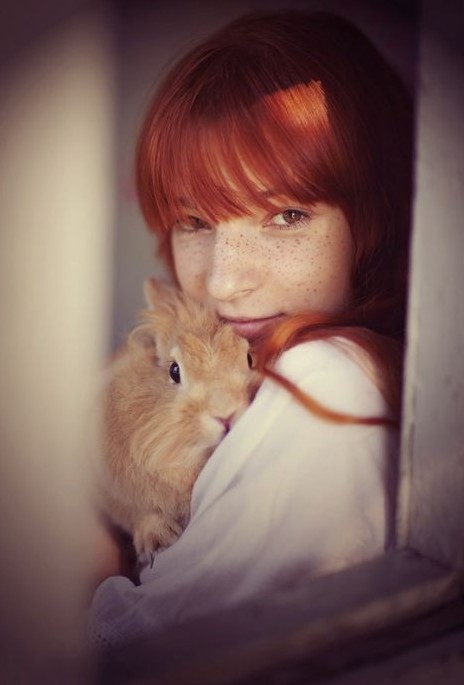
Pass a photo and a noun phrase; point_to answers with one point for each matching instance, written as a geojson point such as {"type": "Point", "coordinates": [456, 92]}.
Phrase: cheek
{"type": "Point", "coordinates": [296, 260]}
{"type": "Point", "coordinates": [315, 270]}
{"type": "Point", "coordinates": [331, 270]}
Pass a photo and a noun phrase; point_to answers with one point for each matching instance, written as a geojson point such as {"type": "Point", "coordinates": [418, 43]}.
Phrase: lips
{"type": "Point", "coordinates": [251, 328]}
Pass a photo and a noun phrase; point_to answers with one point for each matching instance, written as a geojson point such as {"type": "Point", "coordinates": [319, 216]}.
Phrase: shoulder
{"type": "Point", "coordinates": [276, 431]}
{"type": "Point", "coordinates": [337, 373]}
{"type": "Point", "coordinates": [309, 475]}
{"type": "Point", "coordinates": [286, 479]}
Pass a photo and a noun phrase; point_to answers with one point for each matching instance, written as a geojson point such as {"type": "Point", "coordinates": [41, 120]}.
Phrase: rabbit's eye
{"type": "Point", "coordinates": [174, 372]}
{"type": "Point", "coordinates": [250, 360]}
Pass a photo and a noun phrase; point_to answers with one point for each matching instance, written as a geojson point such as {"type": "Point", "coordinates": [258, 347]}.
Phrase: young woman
{"type": "Point", "coordinates": [274, 165]}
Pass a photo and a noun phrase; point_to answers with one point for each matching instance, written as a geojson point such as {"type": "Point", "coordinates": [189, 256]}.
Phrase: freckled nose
{"type": "Point", "coordinates": [231, 273]}
{"type": "Point", "coordinates": [226, 421]}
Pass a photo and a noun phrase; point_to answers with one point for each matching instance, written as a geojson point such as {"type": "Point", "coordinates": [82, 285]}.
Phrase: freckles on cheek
{"type": "Point", "coordinates": [298, 261]}
{"type": "Point", "coordinates": [302, 269]}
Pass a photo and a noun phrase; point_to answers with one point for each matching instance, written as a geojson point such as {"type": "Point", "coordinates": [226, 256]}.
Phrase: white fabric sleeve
{"type": "Point", "coordinates": [285, 495]}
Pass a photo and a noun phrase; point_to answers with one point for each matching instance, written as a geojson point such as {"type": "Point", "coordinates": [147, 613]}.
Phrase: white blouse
{"type": "Point", "coordinates": [285, 495]}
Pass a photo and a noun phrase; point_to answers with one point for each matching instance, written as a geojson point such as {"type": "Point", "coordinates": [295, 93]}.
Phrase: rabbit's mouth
{"type": "Point", "coordinates": [251, 328]}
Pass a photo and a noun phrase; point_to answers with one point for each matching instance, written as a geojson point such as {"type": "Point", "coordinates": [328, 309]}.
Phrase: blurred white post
{"type": "Point", "coordinates": [56, 199]}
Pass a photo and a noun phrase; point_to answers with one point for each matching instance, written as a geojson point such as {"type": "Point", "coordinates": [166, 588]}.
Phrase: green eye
{"type": "Point", "coordinates": [292, 216]}
{"type": "Point", "coordinates": [174, 372]}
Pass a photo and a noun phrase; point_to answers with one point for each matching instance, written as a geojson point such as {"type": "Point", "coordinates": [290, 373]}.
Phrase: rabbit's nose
{"type": "Point", "coordinates": [226, 421]}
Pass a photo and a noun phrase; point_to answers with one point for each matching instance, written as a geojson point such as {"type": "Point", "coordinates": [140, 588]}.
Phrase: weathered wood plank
{"type": "Point", "coordinates": [285, 628]}
{"type": "Point", "coordinates": [432, 491]}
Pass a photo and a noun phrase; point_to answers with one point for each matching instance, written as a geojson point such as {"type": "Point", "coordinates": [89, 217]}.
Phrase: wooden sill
{"type": "Point", "coordinates": [306, 627]}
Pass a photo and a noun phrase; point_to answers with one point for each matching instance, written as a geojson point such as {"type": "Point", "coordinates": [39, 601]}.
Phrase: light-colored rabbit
{"type": "Point", "coordinates": [182, 380]}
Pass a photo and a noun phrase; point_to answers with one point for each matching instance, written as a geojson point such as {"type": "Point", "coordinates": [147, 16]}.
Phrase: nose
{"type": "Point", "coordinates": [226, 421]}
{"type": "Point", "coordinates": [232, 271]}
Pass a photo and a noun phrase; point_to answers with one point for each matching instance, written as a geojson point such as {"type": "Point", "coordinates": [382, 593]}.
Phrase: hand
{"type": "Point", "coordinates": [153, 531]}
{"type": "Point", "coordinates": [114, 553]}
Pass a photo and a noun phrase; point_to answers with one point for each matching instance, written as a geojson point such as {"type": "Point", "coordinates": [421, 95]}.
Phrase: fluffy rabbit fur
{"type": "Point", "coordinates": [181, 381]}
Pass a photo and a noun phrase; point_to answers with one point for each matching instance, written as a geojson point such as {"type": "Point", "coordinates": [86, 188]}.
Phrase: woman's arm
{"type": "Point", "coordinates": [114, 555]}
{"type": "Point", "coordinates": [286, 495]}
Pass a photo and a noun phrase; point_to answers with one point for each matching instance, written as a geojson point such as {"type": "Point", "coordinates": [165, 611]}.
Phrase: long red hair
{"type": "Point", "coordinates": [302, 104]}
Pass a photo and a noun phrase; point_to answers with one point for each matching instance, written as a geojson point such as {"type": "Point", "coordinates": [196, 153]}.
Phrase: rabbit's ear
{"type": "Point", "coordinates": [143, 336]}
{"type": "Point", "coordinates": [165, 306]}
{"type": "Point", "coordinates": [163, 302]}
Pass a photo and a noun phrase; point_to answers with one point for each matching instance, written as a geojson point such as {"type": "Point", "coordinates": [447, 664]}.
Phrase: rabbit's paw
{"type": "Point", "coordinates": [152, 532]}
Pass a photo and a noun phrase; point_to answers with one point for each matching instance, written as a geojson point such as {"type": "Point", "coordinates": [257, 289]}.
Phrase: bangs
{"type": "Point", "coordinates": [226, 157]}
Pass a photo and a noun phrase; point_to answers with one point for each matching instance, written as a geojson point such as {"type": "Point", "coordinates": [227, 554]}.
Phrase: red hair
{"type": "Point", "coordinates": [302, 104]}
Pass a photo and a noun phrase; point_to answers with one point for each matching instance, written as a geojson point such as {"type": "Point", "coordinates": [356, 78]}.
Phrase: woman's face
{"type": "Point", "coordinates": [255, 269]}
